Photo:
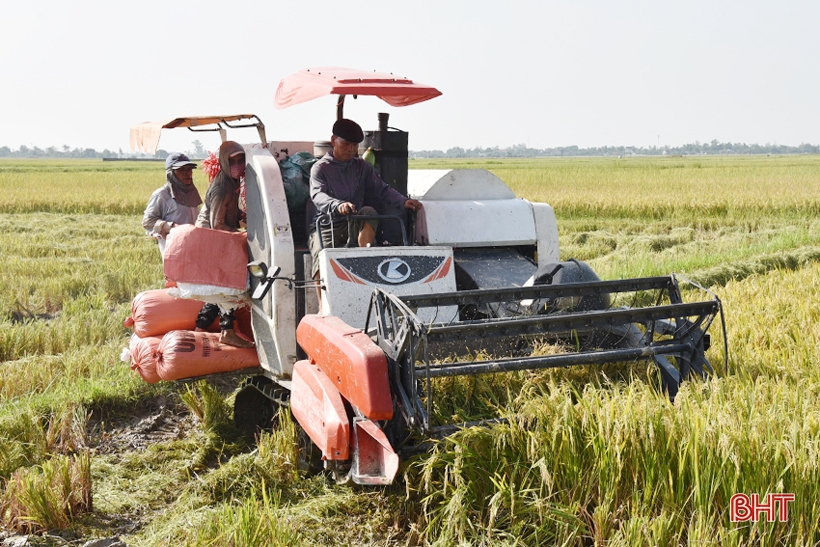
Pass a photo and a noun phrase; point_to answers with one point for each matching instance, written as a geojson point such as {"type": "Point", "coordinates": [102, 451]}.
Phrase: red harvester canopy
{"type": "Point", "coordinates": [311, 83]}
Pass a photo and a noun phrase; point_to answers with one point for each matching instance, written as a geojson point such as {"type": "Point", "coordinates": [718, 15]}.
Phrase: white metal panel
{"type": "Point", "coordinates": [349, 276]}
{"type": "Point", "coordinates": [490, 223]}
{"type": "Point", "coordinates": [546, 229]}
{"type": "Point", "coordinates": [283, 149]}
{"type": "Point", "coordinates": [421, 180]}
{"type": "Point", "coordinates": [280, 356]}
{"type": "Point", "coordinates": [456, 184]}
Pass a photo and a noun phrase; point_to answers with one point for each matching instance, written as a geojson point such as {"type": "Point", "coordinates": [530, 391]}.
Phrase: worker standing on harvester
{"type": "Point", "coordinates": [177, 202]}
{"type": "Point", "coordinates": [343, 184]}
{"type": "Point", "coordinates": [221, 212]}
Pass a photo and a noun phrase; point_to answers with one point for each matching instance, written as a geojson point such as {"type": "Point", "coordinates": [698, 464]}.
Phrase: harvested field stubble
{"type": "Point", "coordinates": [590, 456]}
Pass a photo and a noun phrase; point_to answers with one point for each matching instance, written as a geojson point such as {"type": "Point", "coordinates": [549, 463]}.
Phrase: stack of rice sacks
{"type": "Point", "coordinates": [164, 345]}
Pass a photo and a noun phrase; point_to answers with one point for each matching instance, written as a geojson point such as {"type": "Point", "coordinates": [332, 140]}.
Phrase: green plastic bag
{"type": "Point", "coordinates": [296, 178]}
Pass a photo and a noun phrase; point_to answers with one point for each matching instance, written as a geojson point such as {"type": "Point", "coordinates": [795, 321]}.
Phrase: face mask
{"type": "Point", "coordinates": [237, 171]}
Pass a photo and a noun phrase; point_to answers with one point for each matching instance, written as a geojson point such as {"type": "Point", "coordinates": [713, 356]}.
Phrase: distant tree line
{"type": "Point", "coordinates": [517, 151]}
{"type": "Point", "coordinates": [53, 152]}
{"type": "Point", "coordinates": [198, 151]}
{"type": "Point", "coordinates": [711, 148]}
{"type": "Point", "coordinates": [67, 152]}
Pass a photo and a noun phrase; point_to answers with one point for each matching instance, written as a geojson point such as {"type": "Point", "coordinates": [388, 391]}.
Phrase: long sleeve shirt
{"type": "Point", "coordinates": [220, 209]}
{"type": "Point", "coordinates": [163, 209]}
{"type": "Point", "coordinates": [335, 182]}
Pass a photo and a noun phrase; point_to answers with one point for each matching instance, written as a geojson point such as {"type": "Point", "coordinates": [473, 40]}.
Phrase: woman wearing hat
{"type": "Point", "coordinates": [177, 202]}
{"type": "Point", "coordinates": [221, 212]}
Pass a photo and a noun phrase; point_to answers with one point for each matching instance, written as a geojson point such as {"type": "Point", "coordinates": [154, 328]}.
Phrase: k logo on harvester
{"type": "Point", "coordinates": [394, 270]}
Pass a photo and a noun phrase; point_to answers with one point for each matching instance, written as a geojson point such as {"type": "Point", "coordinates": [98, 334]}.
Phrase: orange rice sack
{"type": "Point", "coordinates": [144, 357]}
{"type": "Point", "coordinates": [187, 354]}
{"type": "Point", "coordinates": [206, 257]}
{"type": "Point", "coordinates": [155, 312]}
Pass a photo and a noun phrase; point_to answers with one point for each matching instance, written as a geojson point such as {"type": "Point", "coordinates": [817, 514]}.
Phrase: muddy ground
{"type": "Point", "coordinates": [158, 419]}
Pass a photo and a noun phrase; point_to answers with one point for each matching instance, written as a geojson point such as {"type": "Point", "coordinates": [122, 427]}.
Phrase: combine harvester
{"type": "Point", "coordinates": [477, 268]}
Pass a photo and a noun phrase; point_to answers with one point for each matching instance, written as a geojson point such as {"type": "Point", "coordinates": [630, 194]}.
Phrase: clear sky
{"type": "Point", "coordinates": [550, 73]}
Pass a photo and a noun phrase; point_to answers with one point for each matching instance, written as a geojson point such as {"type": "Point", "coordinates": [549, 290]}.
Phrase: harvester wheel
{"type": "Point", "coordinates": [310, 456]}
{"type": "Point", "coordinates": [254, 408]}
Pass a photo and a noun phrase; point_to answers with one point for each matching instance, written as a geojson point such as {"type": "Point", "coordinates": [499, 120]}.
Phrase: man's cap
{"type": "Point", "coordinates": [177, 160]}
{"type": "Point", "coordinates": [237, 153]}
{"type": "Point", "coordinates": [348, 130]}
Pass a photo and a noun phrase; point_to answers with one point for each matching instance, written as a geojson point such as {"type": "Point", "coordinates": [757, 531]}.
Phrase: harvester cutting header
{"type": "Point", "coordinates": [475, 268]}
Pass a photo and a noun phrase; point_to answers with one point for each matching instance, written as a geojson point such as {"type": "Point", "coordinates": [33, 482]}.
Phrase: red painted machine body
{"type": "Point", "coordinates": [374, 460]}
{"type": "Point", "coordinates": [354, 364]}
{"type": "Point", "coordinates": [318, 407]}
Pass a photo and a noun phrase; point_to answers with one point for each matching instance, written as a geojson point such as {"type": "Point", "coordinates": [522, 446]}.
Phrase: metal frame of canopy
{"type": "Point", "coordinates": [145, 136]}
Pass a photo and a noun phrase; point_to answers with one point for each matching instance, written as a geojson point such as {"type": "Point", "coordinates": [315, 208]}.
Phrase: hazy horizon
{"type": "Point", "coordinates": [456, 147]}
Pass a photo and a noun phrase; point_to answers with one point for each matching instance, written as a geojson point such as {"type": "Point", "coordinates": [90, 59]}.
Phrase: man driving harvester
{"type": "Point", "coordinates": [343, 184]}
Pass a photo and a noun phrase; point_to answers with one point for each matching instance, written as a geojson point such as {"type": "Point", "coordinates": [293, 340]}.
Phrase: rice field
{"type": "Point", "coordinates": [589, 456]}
